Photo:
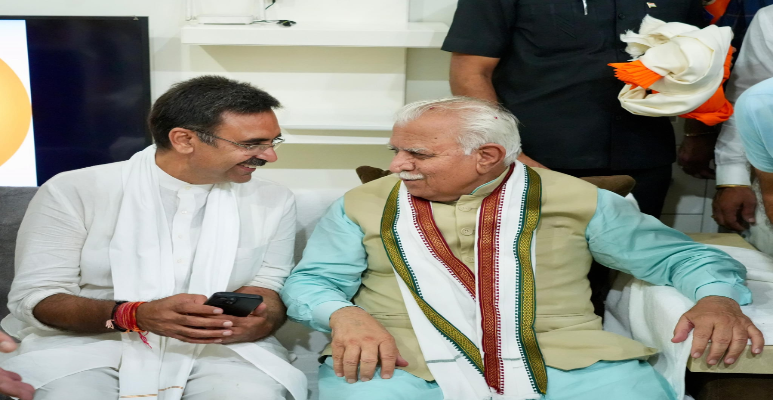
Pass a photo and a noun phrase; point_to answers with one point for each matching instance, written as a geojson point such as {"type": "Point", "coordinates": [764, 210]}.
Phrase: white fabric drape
{"type": "Point", "coordinates": [454, 373]}
{"type": "Point", "coordinates": [142, 269]}
{"type": "Point", "coordinates": [691, 61]}
{"type": "Point", "coordinates": [648, 313]}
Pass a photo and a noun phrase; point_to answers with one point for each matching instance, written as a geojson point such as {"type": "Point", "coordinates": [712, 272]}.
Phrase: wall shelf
{"type": "Point", "coordinates": [332, 34]}
{"type": "Point", "coordinates": [316, 139]}
{"type": "Point", "coordinates": [335, 120]}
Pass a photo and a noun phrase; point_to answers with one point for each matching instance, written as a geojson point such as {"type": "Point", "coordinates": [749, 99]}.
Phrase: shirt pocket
{"type": "Point", "coordinates": [557, 26]}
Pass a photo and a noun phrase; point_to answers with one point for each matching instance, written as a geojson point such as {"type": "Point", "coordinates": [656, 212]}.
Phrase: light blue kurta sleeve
{"type": "Point", "coordinates": [622, 238]}
{"type": "Point", "coordinates": [754, 117]}
{"type": "Point", "coordinates": [330, 272]}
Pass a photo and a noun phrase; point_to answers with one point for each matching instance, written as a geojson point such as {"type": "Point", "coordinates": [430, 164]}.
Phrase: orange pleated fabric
{"type": "Point", "coordinates": [635, 74]}
{"type": "Point", "coordinates": [716, 109]}
{"type": "Point", "coordinates": [717, 9]}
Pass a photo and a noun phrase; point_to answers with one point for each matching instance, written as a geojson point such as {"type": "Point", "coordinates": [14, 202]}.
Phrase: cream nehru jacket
{"type": "Point", "coordinates": [570, 335]}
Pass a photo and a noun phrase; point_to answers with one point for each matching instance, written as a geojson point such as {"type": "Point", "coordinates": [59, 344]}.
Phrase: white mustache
{"type": "Point", "coordinates": [405, 175]}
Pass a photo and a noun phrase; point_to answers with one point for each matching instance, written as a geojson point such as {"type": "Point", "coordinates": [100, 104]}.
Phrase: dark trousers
{"type": "Point", "coordinates": [651, 184]}
{"type": "Point", "coordinates": [650, 192]}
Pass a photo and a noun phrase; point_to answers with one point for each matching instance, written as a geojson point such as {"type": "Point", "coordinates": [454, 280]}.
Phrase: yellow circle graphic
{"type": "Point", "coordinates": [15, 112]}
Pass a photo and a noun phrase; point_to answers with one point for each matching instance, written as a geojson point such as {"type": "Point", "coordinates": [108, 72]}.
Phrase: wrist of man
{"type": "Point", "coordinates": [343, 312]}
{"type": "Point", "coordinates": [722, 289]}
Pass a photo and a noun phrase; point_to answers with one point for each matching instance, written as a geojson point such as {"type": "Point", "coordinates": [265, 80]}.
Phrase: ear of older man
{"type": "Point", "coordinates": [10, 382]}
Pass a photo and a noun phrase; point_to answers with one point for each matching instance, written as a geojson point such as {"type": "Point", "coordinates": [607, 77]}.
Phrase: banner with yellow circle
{"type": "Point", "coordinates": [15, 112]}
{"type": "Point", "coordinates": [17, 144]}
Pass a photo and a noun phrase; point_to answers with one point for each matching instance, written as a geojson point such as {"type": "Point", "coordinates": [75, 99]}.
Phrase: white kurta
{"type": "Point", "coordinates": [63, 245]}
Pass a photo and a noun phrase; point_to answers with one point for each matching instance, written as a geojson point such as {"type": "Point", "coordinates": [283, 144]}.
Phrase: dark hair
{"type": "Point", "coordinates": [199, 103]}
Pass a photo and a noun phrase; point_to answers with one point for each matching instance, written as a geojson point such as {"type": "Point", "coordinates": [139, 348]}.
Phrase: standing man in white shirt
{"type": "Point", "coordinates": [139, 245]}
{"type": "Point", "coordinates": [735, 202]}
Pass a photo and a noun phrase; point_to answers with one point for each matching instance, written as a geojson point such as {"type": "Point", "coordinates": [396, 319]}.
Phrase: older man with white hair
{"type": "Point", "coordinates": [464, 275]}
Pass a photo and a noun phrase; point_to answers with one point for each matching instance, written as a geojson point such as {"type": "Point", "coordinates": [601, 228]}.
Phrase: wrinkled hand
{"type": "Point", "coordinates": [10, 382]}
{"type": "Point", "coordinates": [720, 320]}
{"type": "Point", "coordinates": [695, 155]}
{"type": "Point", "coordinates": [250, 328]}
{"type": "Point", "coordinates": [733, 207]}
{"type": "Point", "coordinates": [184, 317]}
{"type": "Point", "coordinates": [529, 161]}
{"type": "Point", "coordinates": [361, 341]}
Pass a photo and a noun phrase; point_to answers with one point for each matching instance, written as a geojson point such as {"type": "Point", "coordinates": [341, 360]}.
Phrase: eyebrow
{"type": "Point", "coordinates": [260, 140]}
{"type": "Point", "coordinates": [409, 149]}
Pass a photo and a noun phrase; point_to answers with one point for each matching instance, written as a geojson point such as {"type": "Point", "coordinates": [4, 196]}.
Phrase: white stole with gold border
{"type": "Point", "coordinates": [475, 329]}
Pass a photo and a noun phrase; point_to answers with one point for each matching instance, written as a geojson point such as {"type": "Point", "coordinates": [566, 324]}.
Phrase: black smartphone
{"type": "Point", "coordinates": [236, 304]}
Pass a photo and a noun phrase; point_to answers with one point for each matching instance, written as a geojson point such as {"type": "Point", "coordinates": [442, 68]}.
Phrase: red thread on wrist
{"type": "Point", "coordinates": [126, 318]}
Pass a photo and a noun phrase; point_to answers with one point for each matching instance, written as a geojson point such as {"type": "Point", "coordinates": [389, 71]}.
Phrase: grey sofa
{"type": "Point", "coordinates": [13, 204]}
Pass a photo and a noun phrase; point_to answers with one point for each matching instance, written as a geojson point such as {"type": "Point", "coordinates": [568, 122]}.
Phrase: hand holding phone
{"type": "Point", "coordinates": [235, 304]}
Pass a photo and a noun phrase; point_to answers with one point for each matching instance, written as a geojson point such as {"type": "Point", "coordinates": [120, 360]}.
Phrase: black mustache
{"type": "Point", "coordinates": [255, 161]}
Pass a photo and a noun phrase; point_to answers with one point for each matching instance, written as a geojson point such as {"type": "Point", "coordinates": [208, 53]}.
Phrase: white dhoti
{"type": "Point", "coordinates": [217, 373]}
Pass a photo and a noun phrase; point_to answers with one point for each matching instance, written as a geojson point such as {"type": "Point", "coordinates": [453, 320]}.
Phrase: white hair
{"type": "Point", "coordinates": [482, 122]}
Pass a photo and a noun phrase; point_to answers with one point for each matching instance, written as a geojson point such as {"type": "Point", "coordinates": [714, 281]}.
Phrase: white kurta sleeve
{"type": "Point", "coordinates": [48, 251]}
{"type": "Point", "coordinates": [730, 156]}
{"type": "Point", "coordinates": [278, 261]}
{"type": "Point", "coordinates": [753, 66]}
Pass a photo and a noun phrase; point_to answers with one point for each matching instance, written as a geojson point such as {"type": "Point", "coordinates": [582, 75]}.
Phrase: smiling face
{"type": "Point", "coordinates": [233, 163]}
{"type": "Point", "coordinates": [226, 162]}
{"type": "Point", "coordinates": [430, 161]}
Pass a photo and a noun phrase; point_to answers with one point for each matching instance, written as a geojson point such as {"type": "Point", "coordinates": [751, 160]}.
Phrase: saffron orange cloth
{"type": "Point", "coordinates": [716, 8]}
{"type": "Point", "coordinates": [716, 109]}
{"type": "Point", "coordinates": [677, 69]}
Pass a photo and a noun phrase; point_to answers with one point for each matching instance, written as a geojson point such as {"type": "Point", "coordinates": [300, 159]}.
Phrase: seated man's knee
{"type": "Point", "coordinates": [232, 381]}
{"type": "Point", "coordinates": [93, 384]}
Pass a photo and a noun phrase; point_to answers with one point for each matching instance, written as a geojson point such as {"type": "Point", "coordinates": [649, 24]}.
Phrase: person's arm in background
{"type": "Point", "coordinates": [622, 238]}
{"type": "Point", "coordinates": [734, 202]}
{"type": "Point", "coordinates": [471, 76]}
{"type": "Point", "coordinates": [766, 186]}
{"type": "Point", "coordinates": [479, 35]}
{"type": "Point", "coordinates": [10, 382]}
{"type": "Point", "coordinates": [697, 149]}
{"type": "Point", "coordinates": [754, 116]}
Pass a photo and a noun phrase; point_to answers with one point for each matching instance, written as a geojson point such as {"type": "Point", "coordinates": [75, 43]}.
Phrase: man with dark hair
{"type": "Point", "coordinates": [199, 104]}
{"type": "Point", "coordinates": [114, 263]}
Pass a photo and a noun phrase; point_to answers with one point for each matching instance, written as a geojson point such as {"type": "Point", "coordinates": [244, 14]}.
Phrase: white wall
{"type": "Point", "coordinates": [324, 80]}
{"type": "Point", "coordinates": [319, 81]}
